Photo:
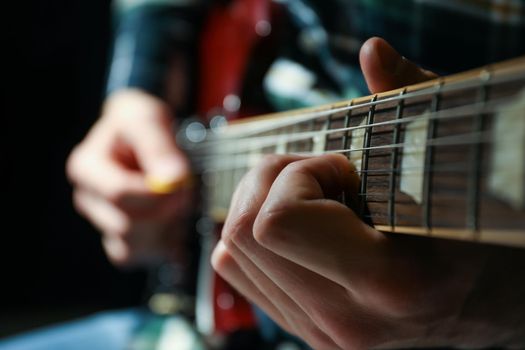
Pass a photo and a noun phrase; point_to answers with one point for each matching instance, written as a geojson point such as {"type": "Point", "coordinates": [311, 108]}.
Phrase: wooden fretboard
{"type": "Point", "coordinates": [444, 158]}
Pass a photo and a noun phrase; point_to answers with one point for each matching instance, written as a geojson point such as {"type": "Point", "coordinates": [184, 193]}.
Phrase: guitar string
{"type": "Point", "coordinates": [260, 142]}
{"type": "Point", "coordinates": [243, 162]}
{"type": "Point", "coordinates": [450, 167]}
{"type": "Point", "coordinates": [459, 111]}
{"type": "Point", "coordinates": [310, 116]}
{"type": "Point", "coordinates": [225, 160]}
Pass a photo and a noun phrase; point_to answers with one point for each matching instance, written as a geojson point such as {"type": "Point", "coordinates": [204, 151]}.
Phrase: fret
{"type": "Point", "coordinates": [348, 116]}
{"type": "Point", "coordinates": [293, 146]}
{"type": "Point", "coordinates": [394, 161]}
{"type": "Point", "coordinates": [321, 143]}
{"type": "Point", "coordinates": [345, 142]}
{"type": "Point", "coordinates": [328, 126]}
{"type": "Point", "coordinates": [311, 127]}
{"type": "Point", "coordinates": [473, 190]}
{"type": "Point", "coordinates": [429, 160]}
{"type": "Point", "coordinates": [367, 140]}
{"type": "Point", "coordinates": [281, 146]}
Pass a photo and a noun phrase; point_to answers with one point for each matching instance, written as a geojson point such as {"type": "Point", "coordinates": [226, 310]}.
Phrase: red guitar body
{"type": "Point", "coordinates": [231, 34]}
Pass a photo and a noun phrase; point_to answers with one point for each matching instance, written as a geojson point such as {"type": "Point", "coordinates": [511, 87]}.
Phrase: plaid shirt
{"type": "Point", "coordinates": [443, 35]}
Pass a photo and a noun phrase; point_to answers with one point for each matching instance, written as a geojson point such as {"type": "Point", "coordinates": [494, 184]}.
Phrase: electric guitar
{"type": "Point", "coordinates": [442, 159]}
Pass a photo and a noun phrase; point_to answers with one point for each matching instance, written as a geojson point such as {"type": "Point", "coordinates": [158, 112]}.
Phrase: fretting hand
{"type": "Point", "coordinates": [326, 276]}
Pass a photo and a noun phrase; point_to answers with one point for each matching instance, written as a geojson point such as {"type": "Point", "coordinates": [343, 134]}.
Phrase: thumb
{"type": "Point", "coordinates": [152, 139]}
{"type": "Point", "coordinates": [385, 69]}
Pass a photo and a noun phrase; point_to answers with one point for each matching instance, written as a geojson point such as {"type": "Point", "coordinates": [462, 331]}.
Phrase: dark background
{"type": "Point", "coordinates": [52, 267]}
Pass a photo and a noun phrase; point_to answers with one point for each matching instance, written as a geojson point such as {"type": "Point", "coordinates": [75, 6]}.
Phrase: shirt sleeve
{"type": "Point", "coordinates": [147, 35]}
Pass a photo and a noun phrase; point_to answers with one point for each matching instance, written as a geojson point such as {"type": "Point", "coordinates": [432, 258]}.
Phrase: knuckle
{"type": "Point", "coordinates": [221, 260]}
{"type": "Point", "coordinates": [237, 226]}
{"type": "Point", "coordinates": [269, 226]}
{"type": "Point", "coordinates": [73, 163]}
{"type": "Point", "coordinates": [273, 162]}
{"type": "Point", "coordinates": [78, 203]}
{"type": "Point", "coordinates": [123, 227]}
{"type": "Point", "coordinates": [294, 168]}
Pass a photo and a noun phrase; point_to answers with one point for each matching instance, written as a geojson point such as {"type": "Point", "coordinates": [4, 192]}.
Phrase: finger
{"type": "Point", "coordinates": [105, 216]}
{"type": "Point", "coordinates": [246, 202]}
{"type": "Point", "coordinates": [299, 224]}
{"type": "Point", "coordinates": [112, 220]}
{"type": "Point", "coordinates": [94, 170]}
{"type": "Point", "coordinates": [127, 239]}
{"type": "Point", "coordinates": [252, 190]}
{"type": "Point", "coordinates": [125, 252]}
{"type": "Point", "coordinates": [385, 69]}
{"type": "Point", "coordinates": [300, 323]}
{"type": "Point", "coordinates": [314, 297]}
{"type": "Point", "coordinates": [153, 142]}
{"type": "Point", "coordinates": [117, 250]}
{"type": "Point", "coordinates": [227, 267]}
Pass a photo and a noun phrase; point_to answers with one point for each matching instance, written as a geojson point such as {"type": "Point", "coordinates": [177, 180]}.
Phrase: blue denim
{"type": "Point", "coordinates": [111, 330]}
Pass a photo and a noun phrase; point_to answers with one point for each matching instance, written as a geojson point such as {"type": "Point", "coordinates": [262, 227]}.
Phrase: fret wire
{"type": "Point", "coordinates": [473, 204]}
{"type": "Point", "coordinates": [291, 146]}
{"type": "Point", "coordinates": [311, 127]}
{"type": "Point", "coordinates": [348, 117]}
{"type": "Point", "coordinates": [367, 139]}
{"type": "Point", "coordinates": [429, 160]}
{"type": "Point", "coordinates": [223, 190]}
{"type": "Point", "coordinates": [329, 121]}
{"type": "Point", "coordinates": [384, 197]}
{"type": "Point", "coordinates": [393, 163]}
{"type": "Point", "coordinates": [328, 127]}
{"type": "Point", "coordinates": [344, 143]}
{"type": "Point", "coordinates": [229, 185]}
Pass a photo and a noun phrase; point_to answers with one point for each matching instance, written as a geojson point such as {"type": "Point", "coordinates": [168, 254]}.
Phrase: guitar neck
{"type": "Point", "coordinates": [444, 158]}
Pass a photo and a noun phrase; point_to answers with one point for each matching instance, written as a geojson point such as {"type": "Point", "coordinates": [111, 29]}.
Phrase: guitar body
{"type": "Point", "coordinates": [233, 31]}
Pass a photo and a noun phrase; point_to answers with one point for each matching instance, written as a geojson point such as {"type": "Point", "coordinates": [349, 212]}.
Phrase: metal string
{"type": "Point", "coordinates": [239, 130]}
{"type": "Point", "coordinates": [241, 145]}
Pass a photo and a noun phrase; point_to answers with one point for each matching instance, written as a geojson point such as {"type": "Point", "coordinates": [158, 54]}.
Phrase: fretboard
{"type": "Point", "coordinates": [445, 158]}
